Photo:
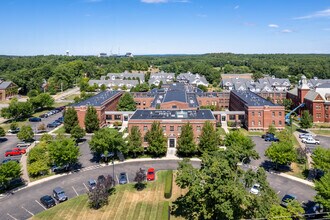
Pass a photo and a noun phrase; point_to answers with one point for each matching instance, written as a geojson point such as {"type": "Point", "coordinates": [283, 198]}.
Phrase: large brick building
{"type": "Point", "coordinates": [171, 122]}
{"type": "Point", "coordinates": [260, 113]}
{"type": "Point", "coordinates": [316, 99]}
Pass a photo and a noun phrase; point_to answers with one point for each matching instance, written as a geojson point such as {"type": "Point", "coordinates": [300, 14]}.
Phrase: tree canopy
{"type": "Point", "coordinates": [126, 103]}
{"type": "Point", "coordinates": [70, 119]}
{"type": "Point", "coordinates": [26, 133]}
{"type": "Point", "coordinates": [92, 122]}
{"type": "Point", "coordinates": [156, 140]}
{"type": "Point", "coordinates": [306, 120]}
{"type": "Point", "coordinates": [186, 144]}
{"type": "Point", "coordinates": [134, 141]}
{"type": "Point", "coordinates": [63, 151]}
{"type": "Point", "coordinates": [208, 140]}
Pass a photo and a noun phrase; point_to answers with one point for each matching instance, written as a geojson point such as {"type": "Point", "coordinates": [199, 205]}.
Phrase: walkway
{"type": "Point", "coordinates": [224, 126]}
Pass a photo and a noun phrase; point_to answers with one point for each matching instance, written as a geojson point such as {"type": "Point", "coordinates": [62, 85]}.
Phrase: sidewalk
{"type": "Point", "coordinates": [25, 174]}
{"type": "Point", "coordinates": [224, 126]}
{"type": "Point", "coordinates": [303, 146]}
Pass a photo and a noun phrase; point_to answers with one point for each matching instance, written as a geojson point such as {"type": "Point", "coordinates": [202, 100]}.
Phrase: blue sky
{"type": "Point", "coordinates": [88, 27]}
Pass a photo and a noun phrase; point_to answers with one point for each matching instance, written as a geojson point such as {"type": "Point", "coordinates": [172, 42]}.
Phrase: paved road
{"type": "Point", "coordinates": [261, 147]}
{"type": "Point", "coordinates": [23, 204]}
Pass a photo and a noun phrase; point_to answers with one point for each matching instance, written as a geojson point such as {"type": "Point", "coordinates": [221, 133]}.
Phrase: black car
{"type": "Point", "coordinates": [34, 119]}
{"type": "Point", "coordinates": [286, 199]}
{"type": "Point", "coordinates": [266, 135]}
{"type": "Point", "coordinates": [43, 116]}
{"type": "Point", "coordinates": [9, 159]}
{"type": "Point", "coordinates": [122, 178]}
{"type": "Point", "coordinates": [52, 125]}
{"type": "Point", "coordinates": [272, 138]}
{"type": "Point", "coordinates": [47, 201]}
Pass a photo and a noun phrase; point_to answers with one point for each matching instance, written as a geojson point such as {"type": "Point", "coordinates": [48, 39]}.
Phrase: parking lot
{"type": "Point", "coordinates": [46, 121]}
{"type": "Point", "coordinates": [324, 142]}
{"type": "Point", "coordinates": [25, 203]}
{"type": "Point", "coordinates": [261, 147]}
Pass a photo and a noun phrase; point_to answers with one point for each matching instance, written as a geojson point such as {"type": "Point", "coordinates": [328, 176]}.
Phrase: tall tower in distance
{"type": "Point", "coordinates": [67, 53]}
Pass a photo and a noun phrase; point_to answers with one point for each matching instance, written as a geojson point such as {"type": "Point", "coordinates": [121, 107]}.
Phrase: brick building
{"type": "Point", "coordinates": [171, 122]}
{"type": "Point", "coordinates": [102, 102]}
{"type": "Point", "coordinates": [317, 100]}
{"type": "Point", "coordinates": [259, 112]}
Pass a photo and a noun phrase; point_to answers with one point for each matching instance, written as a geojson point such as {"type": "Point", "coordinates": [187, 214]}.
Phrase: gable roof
{"type": "Point", "coordinates": [6, 84]}
{"type": "Point", "coordinates": [311, 95]}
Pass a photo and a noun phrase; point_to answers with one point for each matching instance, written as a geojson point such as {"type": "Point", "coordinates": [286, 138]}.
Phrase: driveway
{"type": "Point", "coordinates": [261, 147]}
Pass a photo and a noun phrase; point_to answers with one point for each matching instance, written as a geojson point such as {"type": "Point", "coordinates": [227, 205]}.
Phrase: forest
{"type": "Point", "coordinates": [62, 72]}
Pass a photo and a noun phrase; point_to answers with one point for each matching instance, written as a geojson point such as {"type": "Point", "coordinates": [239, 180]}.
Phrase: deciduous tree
{"type": "Point", "coordinates": [322, 188]}
{"type": "Point", "coordinates": [126, 103]}
{"type": "Point", "coordinates": [2, 132]}
{"type": "Point", "coordinates": [135, 141]}
{"type": "Point", "coordinates": [77, 133]}
{"type": "Point", "coordinates": [281, 153]}
{"type": "Point", "coordinates": [306, 120]}
{"type": "Point", "coordinates": [8, 171]}
{"type": "Point", "coordinates": [26, 133]}
{"type": "Point", "coordinates": [70, 119]}
{"type": "Point", "coordinates": [92, 123]}
{"type": "Point", "coordinates": [156, 140]}
{"type": "Point", "coordinates": [321, 159]}
{"type": "Point", "coordinates": [63, 151]}
{"type": "Point", "coordinates": [140, 179]}
{"type": "Point", "coordinates": [186, 144]}
{"type": "Point", "coordinates": [208, 140]}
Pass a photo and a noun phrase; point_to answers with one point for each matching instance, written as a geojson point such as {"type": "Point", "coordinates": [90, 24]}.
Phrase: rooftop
{"type": "Point", "coordinates": [204, 114]}
{"type": "Point", "coordinates": [252, 99]}
{"type": "Point", "coordinates": [98, 99]}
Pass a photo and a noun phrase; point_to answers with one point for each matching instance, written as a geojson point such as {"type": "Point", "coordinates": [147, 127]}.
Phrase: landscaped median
{"type": "Point", "coordinates": [125, 203]}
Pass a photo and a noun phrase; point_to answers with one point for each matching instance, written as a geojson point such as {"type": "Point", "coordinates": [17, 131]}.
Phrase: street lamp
{"type": "Point", "coordinates": [240, 164]}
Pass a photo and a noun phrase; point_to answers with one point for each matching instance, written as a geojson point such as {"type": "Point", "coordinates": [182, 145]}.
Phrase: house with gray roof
{"type": "Point", "coordinates": [125, 76]}
{"type": "Point", "coordinates": [8, 90]}
{"type": "Point", "coordinates": [114, 84]}
{"type": "Point", "coordinates": [165, 78]}
{"type": "Point", "coordinates": [192, 79]}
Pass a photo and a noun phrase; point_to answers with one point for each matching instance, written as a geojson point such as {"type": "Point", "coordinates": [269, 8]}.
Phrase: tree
{"type": "Point", "coordinates": [257, 75]}
{"type": "Point", "coordinates": [277, 211]}
{"type": "Point", "coordinates": [208, 141]}
{"type": "Point", "coordinates": [271, 129]}
{"type": "Point", "coordinates": [63, 151]}
{"type": "Point", "coordinates": [9, 171]}
{"type": "Point", "coordinates": [140, 179]}
{"type": "Point", "coordinates": [42, 127]}
{"type": "Point", "coordinates": [135, 141]}
{"type": "Point", "coordinates": [46, 138]}
{"type": "Point", "coordinates": [281, 153]}
{"type": "Point", "coordinates": [322, 188]}
{"type": "Point", "coordinates": [287, 103]}
{"type": "Point", "coordinates": [98, 196]}
{"type": "Point", "coordinates": [92, 123]}
{"type": "Point", "coordinates": [43, 100]}
{"type": "Point", "coordinates": [126, 103]}
{"type": "Point", "coordinates": [26, 133]}
{"type": "Point", "coordinates": [17, 109]}
{"type": "Point", "coordinates": [13, 126]}
{"type": "Point", "coordinates": [156, 140]}
{"type": "Point", "coordinates": [321, 159]}
{"type": "Point", "coordinates": [37, 168]}
{"type": "Point", "coordinates": [107, 140]}
{"type": "Point", "coordinates": [103, 87]}
{"type": "Point", "coordinates": [77, 133]}
{"type": "Point", "coordinates": [2, 132]}
{"type": "Point", "coordinates": [70, 119]}
{"type": "Point", "coordinates": [306, 120]}
{"type": "Point", "coordinates": [202, 87]}
{"type": "Point", "coordinates": [32, 93]}
{"type": "Point", "coordinates": [295, 209]}
{"type": "Point", "coordinates": [186, 144]}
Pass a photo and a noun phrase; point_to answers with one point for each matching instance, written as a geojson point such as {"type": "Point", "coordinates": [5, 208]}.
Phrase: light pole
{"type": "Point", "coordinates": [239, 164]}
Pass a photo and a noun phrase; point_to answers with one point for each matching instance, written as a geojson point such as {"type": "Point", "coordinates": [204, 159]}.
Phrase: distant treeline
{"type": "Point", "coordinates": [63, 71]}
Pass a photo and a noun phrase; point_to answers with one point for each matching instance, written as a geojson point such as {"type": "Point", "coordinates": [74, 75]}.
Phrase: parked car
{"type": "Point", "coordinates": [51, 125]}
{"type": "Point", "coordinates": [57, 123]}
{"type": "Point", "coordinates": [272, 139]}
{"type": "Point", "coordinates": [310, 141]}
{"type": "Point", "coordinates": [316, 211]}
{"type": "Point", "coordinates": [14, 131]}
{"type": "Point", "coordinates": [59, 194]}
{"type": "Point", "coordinates": [91, 184]}
{"type": "Point", "coordinates": [305, 135]}
{"type": "Point", "coordinates": [122, 178]}
{"type": "Point", "coordinates": [47, 201]}
{"type": "Point", "coordinates": [9, 159]}
{"type": "Point", "coordinates": [286, 199]}
{"type": "Point", "coordinates": [23, 144]}
{"type": "Point", "coordinates": [57, 169]}
{"type": "Point", "coordinates": [34, 119]}
{"type": "Point", "coordinates": [266, 135]}
{"type": "Point", "coordinates": [255, 189]}
{"type": "Point", "coordinates": [15, 152]}
{"type": "Point", "coordinates": [151, 174]}
{"type": "Point", "coordinates": [44, 115]}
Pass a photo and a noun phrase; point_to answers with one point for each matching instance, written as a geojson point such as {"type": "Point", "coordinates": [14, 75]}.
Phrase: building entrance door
{"type": "Point", "coordinates": [171, 143]}
{"type": "Point", "coordinates": [223, 118]}
{"type": "Point", "coordinates": [125, 117]}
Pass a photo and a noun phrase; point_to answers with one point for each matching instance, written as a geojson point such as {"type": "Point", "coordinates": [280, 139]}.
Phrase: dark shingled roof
{"type": "Point", "coordinates": [5, 84]}
{"type": "Point", "coordinates": [205, 114]}
{"type": "Point", "coordinates": [324, 85]}
{"type": "Point", "coordinates": [252, 99]}
{"type": "Point", "coordinates": [98, 99]}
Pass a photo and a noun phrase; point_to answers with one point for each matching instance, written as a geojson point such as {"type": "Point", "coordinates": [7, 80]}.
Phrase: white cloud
{"type": "Point", "coordinates": [273, 26]}
{"type": "Point", "coordinates": [319, 14]}
{"type": "Point", "coordinates": [154, 1]}
{"type": "Point", "coordinates": [286, 31]}
{"type": "Point", "coordinates": [236, 7]}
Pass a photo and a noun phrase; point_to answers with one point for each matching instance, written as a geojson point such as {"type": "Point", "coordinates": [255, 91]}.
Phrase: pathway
{"type": "Point", "coordinates": [224, 126]}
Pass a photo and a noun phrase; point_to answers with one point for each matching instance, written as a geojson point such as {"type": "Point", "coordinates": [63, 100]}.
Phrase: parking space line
{"type": "Point", "coordinates": [127, 178]}
{"type": "Point", "coordinates": [117, 179]}
{"type": "Point", "coordinates": [12, 216]}
{"type": "Point", "coordinates": [278, 192]}
{"type": "Point", "coordinates": [40, 204]}
{"type": "Point", "coordinates": [27, 211]}
{"type": "Point", "coordinates": [75, 191]}
{"type": "Point", "coordinates": [85, 186]}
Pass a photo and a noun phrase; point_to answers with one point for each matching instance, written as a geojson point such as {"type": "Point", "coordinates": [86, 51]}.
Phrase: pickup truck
{"type": "Point", "coordinates": [15, 152]}
{"type": "Point", "coordinates": [310, 141]}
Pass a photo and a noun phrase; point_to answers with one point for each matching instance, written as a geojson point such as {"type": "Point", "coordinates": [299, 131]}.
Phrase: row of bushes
{"type": "Point", "coordinates": [168, 184]}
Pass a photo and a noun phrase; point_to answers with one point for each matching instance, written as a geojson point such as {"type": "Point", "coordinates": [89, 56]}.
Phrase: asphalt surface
{"type": "Point", "coordinates": [25, 203]}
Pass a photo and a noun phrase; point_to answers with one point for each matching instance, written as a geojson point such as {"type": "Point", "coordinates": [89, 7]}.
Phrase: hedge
{"type": "Point", "coordinates": [168, 184]}
{"type": "Point", "coordinates": [166, 211]}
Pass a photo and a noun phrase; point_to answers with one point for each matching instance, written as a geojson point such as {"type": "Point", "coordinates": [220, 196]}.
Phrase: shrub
{"type": "Point", "coordinates": [166, 211]}
{"type": "Point", "coordinates": [168, 184]}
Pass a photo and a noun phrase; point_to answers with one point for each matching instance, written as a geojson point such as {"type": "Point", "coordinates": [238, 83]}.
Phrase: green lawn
{"type": "Point", "coordinates": [321, 132]}
{"type": "Point", "coordinates": [61, 130]}
{"type": "Point", "coordinates": [125, 203]}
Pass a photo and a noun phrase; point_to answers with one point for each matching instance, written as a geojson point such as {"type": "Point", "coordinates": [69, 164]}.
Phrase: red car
{"type": "Point", "coordinates": [151, 174]}
{"type": "Point", "coordinates": [15, 152]}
